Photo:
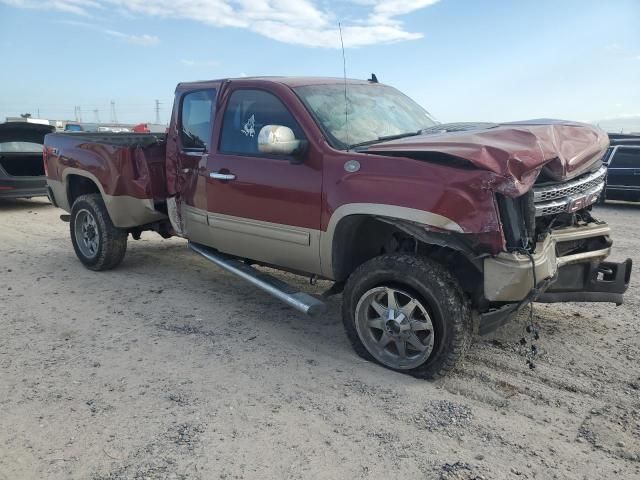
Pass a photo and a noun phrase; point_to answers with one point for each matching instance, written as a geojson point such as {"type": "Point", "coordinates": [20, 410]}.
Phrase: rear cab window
{"type": "Point", "coordinates": [196, 120]}
{"type": "Point", "coordinates": [626, 157]}
{"type": "Point", "coordinates": [248, 110]}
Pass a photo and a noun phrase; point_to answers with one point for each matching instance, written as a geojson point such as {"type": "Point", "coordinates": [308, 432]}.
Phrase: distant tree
{"type": "Point", "coordinates": [25, 115]}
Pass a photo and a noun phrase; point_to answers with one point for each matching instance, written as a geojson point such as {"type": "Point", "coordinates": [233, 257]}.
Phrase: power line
{"type": "Point", "coordinates": [114, 118]}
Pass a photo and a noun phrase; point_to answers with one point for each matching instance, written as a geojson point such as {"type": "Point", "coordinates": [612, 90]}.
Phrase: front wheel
{"type": "Point", "coordinates": [407, 313]}
{"type": "Point", "coordinates": [97, 242]}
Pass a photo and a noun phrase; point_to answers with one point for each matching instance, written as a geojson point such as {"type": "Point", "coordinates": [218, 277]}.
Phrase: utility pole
{"type": "Point", "coordinates": [114, 118]}
{"type": "Point", "coordinates": [96, 112]}
{"type": "Point", "coordinates": [157, 112]}
{"type": "Point", "coordinates": [78, 113]}
{"type": "Point", "coordinates": [38, 109]}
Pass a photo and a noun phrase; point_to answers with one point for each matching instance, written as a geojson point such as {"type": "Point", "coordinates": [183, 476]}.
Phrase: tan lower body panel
{"type": "Point", "coordinates": [125, 211]}
{"type": "Point", "coordinates": [508, 277]}
{"type": "Point", "coordinates": [131, 212]}
{"type": "Point", "coordinates": [195, 225]}
{"type": "Point", "coordinates": [285, 246]}
{"type": "Point", "coordinates": [59, 191]}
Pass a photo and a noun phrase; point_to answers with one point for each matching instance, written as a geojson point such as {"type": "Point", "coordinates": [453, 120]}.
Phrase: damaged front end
{"type": "Point", "coordinates": [556, 250]}
{"type": "Point", "coordinates": [545, 176]}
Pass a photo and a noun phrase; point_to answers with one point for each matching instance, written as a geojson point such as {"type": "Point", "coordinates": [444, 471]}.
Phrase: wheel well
{"type": "Point", "coordinates": [78, 185]}
{"type": "Point", "coordinates": [359, 238]}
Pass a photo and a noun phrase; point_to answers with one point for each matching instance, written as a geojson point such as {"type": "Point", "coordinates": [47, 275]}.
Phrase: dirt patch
{"type": "Point", "coordinates": [168, 368]}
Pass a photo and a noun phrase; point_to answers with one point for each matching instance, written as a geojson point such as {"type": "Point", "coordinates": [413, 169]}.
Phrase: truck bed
{"type": "Point", "coordinates": [118, 139]}
{"type": "Point", "coordinates": [127, 168]}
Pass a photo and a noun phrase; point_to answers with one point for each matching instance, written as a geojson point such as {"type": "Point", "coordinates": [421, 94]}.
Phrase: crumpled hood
{"type": "Point", "coordinates": [514, 152]}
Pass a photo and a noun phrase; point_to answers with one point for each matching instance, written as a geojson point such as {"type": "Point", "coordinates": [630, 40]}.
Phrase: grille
{"type": "Point", "coordinates": [544, 194]}
{"type": "Point", "coordinates": [569, 196]}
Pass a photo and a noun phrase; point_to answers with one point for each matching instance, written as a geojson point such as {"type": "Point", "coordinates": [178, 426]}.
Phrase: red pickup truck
{"type": "Point", "coordinates": [430, 231]}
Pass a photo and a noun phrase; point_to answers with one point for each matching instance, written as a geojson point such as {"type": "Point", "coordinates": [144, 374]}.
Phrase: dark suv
{"type": "Point", "coordinates": [623, 168]}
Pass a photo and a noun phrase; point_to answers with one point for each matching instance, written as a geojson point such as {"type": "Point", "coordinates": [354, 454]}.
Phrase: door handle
{"type": "Point", "coordinates": [222, 176]}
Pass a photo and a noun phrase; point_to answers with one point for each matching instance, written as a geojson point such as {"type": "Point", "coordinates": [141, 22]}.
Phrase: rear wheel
{"type": "Point", "coordinates": [408, 314]}
{"type": "Point", "coordinates": [97, 242]}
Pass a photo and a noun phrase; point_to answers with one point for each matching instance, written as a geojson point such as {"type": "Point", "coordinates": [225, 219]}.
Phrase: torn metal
{"type": "Point", "coordinates": [515, 153]}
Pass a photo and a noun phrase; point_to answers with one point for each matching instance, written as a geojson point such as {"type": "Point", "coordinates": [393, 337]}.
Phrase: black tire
{"type": "Point", "coordinates": [110, 244]}
{"type": "Point", "coordinates": [432, 284]}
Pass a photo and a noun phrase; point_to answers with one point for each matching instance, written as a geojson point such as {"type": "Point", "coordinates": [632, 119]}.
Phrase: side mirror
{"type": "Point", "coordinates": [278, 140]}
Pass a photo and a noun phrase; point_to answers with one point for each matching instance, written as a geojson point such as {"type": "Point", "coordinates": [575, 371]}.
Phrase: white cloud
{"type": "Point", "coordinates": [385, 11]}
{"type": "Point", "coordinates": [198, 63]}
{"type": "Point", "coordinates": [144, 40]}
{"type": "Point", "coordinates": [77, 7]}
{"type": "Point", "coordinates": [301, 22]}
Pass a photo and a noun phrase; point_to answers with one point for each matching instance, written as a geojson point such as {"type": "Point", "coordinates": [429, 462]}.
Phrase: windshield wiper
{"type": "Point", "coordinates": [385, 138]}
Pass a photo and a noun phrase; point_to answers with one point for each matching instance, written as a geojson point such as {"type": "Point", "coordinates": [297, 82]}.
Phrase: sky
{"type": "Point", "coordinates": [463, 60]}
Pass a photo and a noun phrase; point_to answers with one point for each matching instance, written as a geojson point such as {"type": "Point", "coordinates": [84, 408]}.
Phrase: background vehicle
{"type": "Point", "coordinates": [623, 168]}
{"type": "Point", "coordinates": [430, 231]}
{"type": "Point", "coordinates": [149, 128]}
{"type": "Point", "coordinates": [21, 166]}
{"type": "Point", "coordinates": [73, 127]}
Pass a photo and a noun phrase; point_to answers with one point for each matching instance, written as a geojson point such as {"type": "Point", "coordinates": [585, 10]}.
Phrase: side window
{"type": "Point", "coordinates": [247, 112]}
{"type": "Point", "coordinates": [626, 157]}
{"type": "Point", "coordinates": [196, 119]}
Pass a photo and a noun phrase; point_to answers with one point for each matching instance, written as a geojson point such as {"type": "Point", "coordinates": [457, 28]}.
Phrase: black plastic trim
{"type": "Point", "coordinates": [590, 282]}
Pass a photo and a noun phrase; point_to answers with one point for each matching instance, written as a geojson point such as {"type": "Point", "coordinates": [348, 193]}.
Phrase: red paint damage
{"type": "Point", "coordinates": [514, 152]}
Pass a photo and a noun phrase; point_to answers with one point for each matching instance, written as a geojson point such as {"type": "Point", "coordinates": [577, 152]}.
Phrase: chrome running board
{"type": "Point", "coordinates": [303, 302]}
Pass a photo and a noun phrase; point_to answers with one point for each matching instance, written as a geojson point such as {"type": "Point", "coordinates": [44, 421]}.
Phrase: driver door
{"type": "Point", "coordinates": [260, 206]}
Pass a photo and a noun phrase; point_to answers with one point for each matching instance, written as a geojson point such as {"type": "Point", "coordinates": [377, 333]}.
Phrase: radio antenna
{"type": "Point", "coordinates": [344, 72]}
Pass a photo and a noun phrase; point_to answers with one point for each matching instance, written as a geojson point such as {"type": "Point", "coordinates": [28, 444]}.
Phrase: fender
{"type": "Point", "coordinates": [376, 210]}
{"type": "Point", "coordinates": [125, 211]}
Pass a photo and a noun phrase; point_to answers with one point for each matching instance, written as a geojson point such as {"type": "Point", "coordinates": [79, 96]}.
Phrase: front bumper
{"type": "Point", "coordinates": [16, 187]}
{"type": "Point", "coordinates": [580, 277]}
{"type": "Point", "coordinates": [508, 277]}
{"type": "Point", "coordinates": [590, 282]}
{"type": "Point", "coordinates": [580, 282]}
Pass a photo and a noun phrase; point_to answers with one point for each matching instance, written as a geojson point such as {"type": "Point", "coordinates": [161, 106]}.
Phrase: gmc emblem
{"type": "Point", "coordinates": [579, 202]}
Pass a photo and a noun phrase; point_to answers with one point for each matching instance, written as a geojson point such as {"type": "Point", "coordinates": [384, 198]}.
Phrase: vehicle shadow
{"type": "Point", "coordinates": [9, 204]}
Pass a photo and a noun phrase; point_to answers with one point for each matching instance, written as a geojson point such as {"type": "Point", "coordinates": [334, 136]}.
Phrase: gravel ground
{"type": "Point", "coordinates": [169, 368]}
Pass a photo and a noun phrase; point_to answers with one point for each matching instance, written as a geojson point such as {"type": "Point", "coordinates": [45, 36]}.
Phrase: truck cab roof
{"type": "Point", "coordinates": [289, 81]}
